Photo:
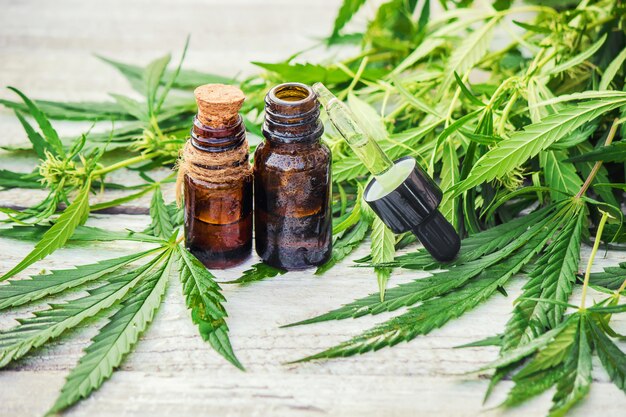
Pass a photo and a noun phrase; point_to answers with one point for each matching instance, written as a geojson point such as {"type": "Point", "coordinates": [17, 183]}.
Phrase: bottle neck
{"type": "Point", "coordinates": [292, 115]}
{"type": "Point", "coordinates": [221, 139]}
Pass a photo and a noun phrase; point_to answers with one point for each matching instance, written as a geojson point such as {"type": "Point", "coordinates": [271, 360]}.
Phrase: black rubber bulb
{"type": "Point", "coordinates": [412, 206]}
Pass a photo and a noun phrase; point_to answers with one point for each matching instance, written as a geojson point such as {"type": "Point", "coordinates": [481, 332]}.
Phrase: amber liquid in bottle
{"type": "Point", "coordinates": [218, 214]}
{"type": "Point", "coordinates": [292, 182]}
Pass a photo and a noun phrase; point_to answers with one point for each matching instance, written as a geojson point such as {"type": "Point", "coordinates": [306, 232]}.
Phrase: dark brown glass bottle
{"type": "Point", "coordinates": [292, 182]}
{"type": "Point", "coordinates": [218, 180]}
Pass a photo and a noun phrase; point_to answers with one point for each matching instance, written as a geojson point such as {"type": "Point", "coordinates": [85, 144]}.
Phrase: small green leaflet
{"type": "Point", "coordinates": [74, 215]}
{"type": "Point", "coordinates": [306, 73]}
{"type": "Point", "coordinates": [611, 278]}
{"type": "Point", "coordinates": [612, 69]}
{"type": "Point", "coordinates": [52, 138]}
{"type": "Point", "coordinates": [257, 272]}
{"type": "Point", "coordinates": [613, 359]}
{"type": "Point", "coordinates": [469, 52]}
{"type": "Point", "coordinates": [578, 59]}
{"type": "Point", "coordinates": [435, 312]}
{"type": "Point", "coordinates": [116, 339]}
{"type": "Point", "coordinates": [345, 14]}
{"type": "Point", "coordinates": [576, 381]}
{"type": "Point", "coordinates": [450, 175]}
{"type": "Point", "coordinates": [34, 331]}
{"type": "Point", "coordinates": [40, 146]}
{"type": "Point", "coordinates": [21, 291]}
{"type": "Point", "coordinates": [473, 264]}
{"type": "Point", "coordinates": [161, 225]}
{"type": "Point", "coordinates": [152, 77]}
{"type": "Point", "coordinates": [203, 297]}
{"type": "Point", "coordinates": [615, 152]}
{"type": "Point", "coordinates": [522, 145]}
{"type": "Point", "coordinates": [383, 251]}
{"type": "Point", "coordinates": [560, 176]}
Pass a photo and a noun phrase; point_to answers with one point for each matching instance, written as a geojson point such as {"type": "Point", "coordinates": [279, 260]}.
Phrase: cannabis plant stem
{"type": "Point", "coordinates": [598, 164]}
{"type": "Point", "coordinates": [124, 163]}
{"type": "Point", "coordinates": [596, 245]}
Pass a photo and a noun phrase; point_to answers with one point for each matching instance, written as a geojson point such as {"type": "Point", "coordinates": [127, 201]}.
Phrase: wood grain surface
{"type": "Point", "coordinates": [47, 50]}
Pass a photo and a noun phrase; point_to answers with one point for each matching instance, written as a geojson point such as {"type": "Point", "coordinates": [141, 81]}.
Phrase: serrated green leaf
{"type": "Point", "coordinates": [161, 225]}
{"type": "Point", "coordinates": [346, 12]}
{"type": "Point", "coordinates": [22, 291]}
{"type": "Point", "coordinates": [306, 73]}
{"type": "Point", "coordinates": [435, 312]}
{"type": "Point", "coordinates": [615, 152]}
{"type": "Point", "coordinates": [612, 358]}
{"type": "Point", "coordinates": [522, 145]}
{"type": "Point", "coordinates": [551, 279]}
{"type": "Point", "coordinates": [74, 215]}
{"type": "Point", "coordinates": [132, 107]}
{"type": "Point", "coordinates": [10, 179]}
{"type": "Point", "coordinates": [117, 338]}
{"type": "Point", "coordinates": [553, 354]}
{"type": "Point", "coordinates": [611, 278]}
{"type": "Point", "coordinates": [578, 59]}
{"type": "Point", "coordinates": [433, 286]}
{"type": "Point", "coordinates": [560, 176]}
{"type": "Point", "coordinates": [34, 331]}
{"type": "Point", "coordinates": [526, 388]}
{"type": "Point", "coordinates": [514, 355]}
{"type": "Point", "coordinates": [468, 53]}
{"type": "Point", "coordinates": [204, 298]}
{"type": "Point", "coordinates": [48, 131]}
{"type": "Point", "coordinates": [40, 146]}
{"type": "Point", "coordinates": [611, 70]}
{"type": "Point", "coordinates": [257, 272]}
{"type": "Point", "coordinates": [78, 110]}
{"type": "Point", "coordinates": [186, 79]}
{"type": "Point", "coordinates": [152, 78]}
{"type": "Point", "coordinates": [576, 381]}
{"type": "Point", "coordinates": [383, 250]}
{"type": "Point", "coordinates": [450, 175]}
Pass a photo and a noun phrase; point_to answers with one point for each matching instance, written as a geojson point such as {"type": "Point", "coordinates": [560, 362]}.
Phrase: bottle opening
{"type": "Point", "coordinates": [291, 94]}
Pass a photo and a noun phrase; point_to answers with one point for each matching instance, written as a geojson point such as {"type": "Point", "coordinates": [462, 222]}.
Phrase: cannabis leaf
{"type": "Point", "coordinates": [22, 291]}
{"type": "Point", "coordinates": [203, 297]}
{"type": "Point", "coordinates": [117, 338]}
{"type": "Point", "coordinates": [469, 52]}
{"type": "Point", "coordinates": [47, 324]}
{"type": "Point", "coordinates": [74, 215]}
{"type": "Point", "coordinates": [383, 250]}
{"type": "Point", "coordinates": [513, 152]}
{"type": "Point", "coordinates": [257, 272]}
{"type": "Point", "coordinates": [347, 10]}
{"type": "Point", "coordinates": [435, 312]}
{"type": "Point", "coordinates": [161, 225]}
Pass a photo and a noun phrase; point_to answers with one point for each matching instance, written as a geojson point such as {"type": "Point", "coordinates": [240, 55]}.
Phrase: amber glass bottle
{"type": "Point", "coordinates": [292, 183]}
{"type": "Point", "coordinates": [218, 180]}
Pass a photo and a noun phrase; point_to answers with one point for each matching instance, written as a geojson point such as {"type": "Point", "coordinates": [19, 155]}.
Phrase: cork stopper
{"type": "Point", "coordinates": [218, 104]}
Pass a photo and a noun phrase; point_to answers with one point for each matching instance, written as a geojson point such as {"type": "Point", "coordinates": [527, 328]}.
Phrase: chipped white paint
{"type": "Point", "coordinates": [172, 372]}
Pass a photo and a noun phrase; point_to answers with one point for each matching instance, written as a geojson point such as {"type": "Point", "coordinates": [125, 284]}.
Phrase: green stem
{"type": "Point", "coordinates": [598, 164]}
{"type": "Point", "coordinates": [506, 112]}
{"type": "Point", "coordinates": [596, 245]}
{"type": "Point", "coordinates": [123, 164]}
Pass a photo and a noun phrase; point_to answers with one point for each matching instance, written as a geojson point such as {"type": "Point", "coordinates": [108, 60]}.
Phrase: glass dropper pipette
{"type": "Point", "coordinates": [365, 147]}
{"type": "Point", "coordinates": [401, 193]}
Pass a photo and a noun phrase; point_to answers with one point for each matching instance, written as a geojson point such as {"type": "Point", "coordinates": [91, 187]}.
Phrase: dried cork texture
{"type": "Point", "coordinates": [218, 104]}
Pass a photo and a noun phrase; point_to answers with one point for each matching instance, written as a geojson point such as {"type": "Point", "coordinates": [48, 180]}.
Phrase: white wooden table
{"type": "Point", "coordinates": [46, 50]}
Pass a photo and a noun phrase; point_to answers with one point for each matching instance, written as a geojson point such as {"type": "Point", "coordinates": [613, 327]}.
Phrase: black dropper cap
{"type": "Point", "coordinates": [412, 206]}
